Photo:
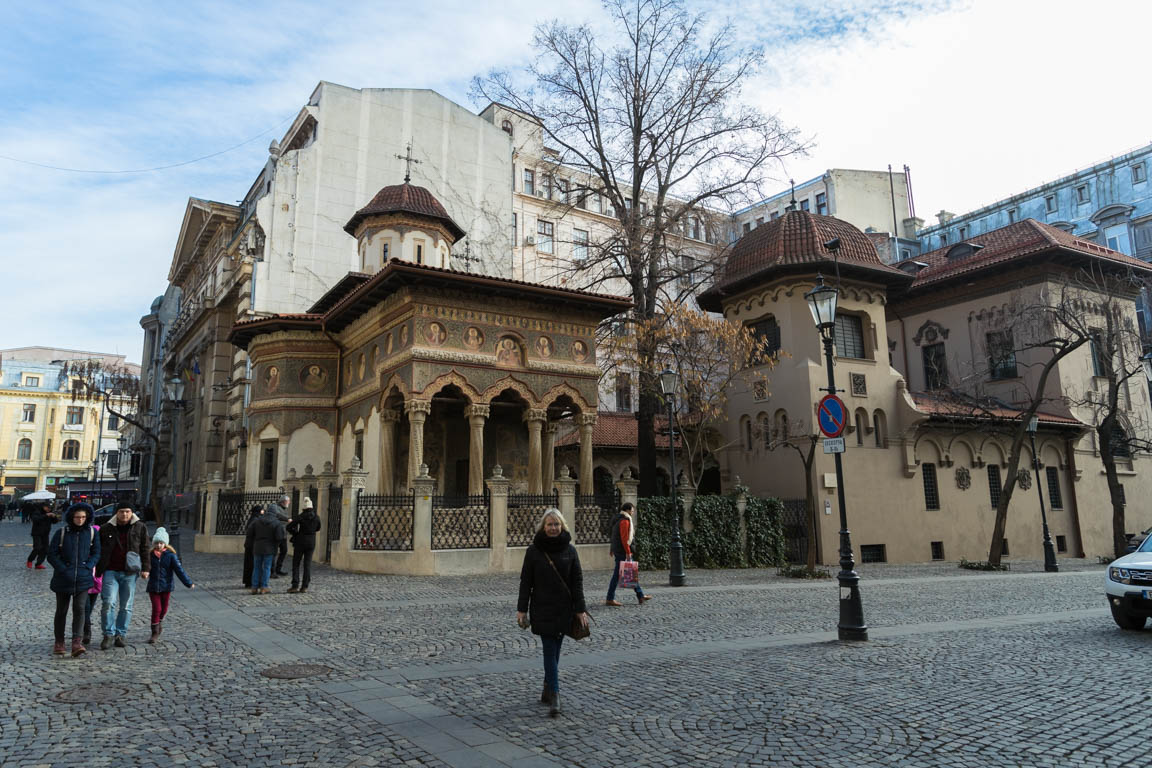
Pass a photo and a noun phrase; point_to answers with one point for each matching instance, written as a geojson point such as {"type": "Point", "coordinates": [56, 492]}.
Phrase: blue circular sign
{"type": "Point", "coordinates": [831, 416]}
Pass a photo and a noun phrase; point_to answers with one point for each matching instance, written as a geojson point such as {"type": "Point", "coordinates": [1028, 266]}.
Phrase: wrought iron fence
{"type": "Point", "coordinates": [384, 523]}
{"type": "Point", "coordinates": [181, 508]}
{"type": "Point", "coordinates": [524, 512]}
{"type": "Point", "coordinates": [794, 525]}
{"type": "Point", "coordinates": [232, 509]}
{"type": "Point", "coordinates": [461, 522]}
{"type": "Point", "coordinates": [594, 513]}
{"type": "Point", "coordinates": [335, 509]}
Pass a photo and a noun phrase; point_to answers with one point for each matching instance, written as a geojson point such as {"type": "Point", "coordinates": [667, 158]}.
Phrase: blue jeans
{"type": "Point", "coordinates": [552, 661]}
{"type": "Point", "coordinates": [116, 597]}
{"type": "Point", "coordinates": [262, 570]}
{"type": "Point", "coordinates": [616, 580]}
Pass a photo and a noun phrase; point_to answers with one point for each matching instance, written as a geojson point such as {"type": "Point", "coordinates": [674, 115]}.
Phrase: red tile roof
{"type": "Point", "coordinates": [1015, 241]}
{"type": "Point", "coordinates": [617, 430]}
{"type": "Point", "coordinates": [405, 198]}
{"type": "Point", "coordinates": [943, 406]}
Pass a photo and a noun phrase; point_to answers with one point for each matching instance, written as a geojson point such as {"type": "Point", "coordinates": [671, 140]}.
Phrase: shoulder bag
{"type": "Point", "coordinates": [577, 630]}
{"type": "Point", "coordinates": [132, 562]}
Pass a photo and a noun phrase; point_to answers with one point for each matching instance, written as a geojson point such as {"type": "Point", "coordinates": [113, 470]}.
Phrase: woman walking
{"type": "Point", "coordinates": [303, 529]}
{"type": "Point", "coordinates": [93, 593]}
{"type": "Point", "coordinates": [164, 564]}
{"type": "Point", "coordinates": [551, 595]}
{"type": "Point", "coordinates": [73, 553]}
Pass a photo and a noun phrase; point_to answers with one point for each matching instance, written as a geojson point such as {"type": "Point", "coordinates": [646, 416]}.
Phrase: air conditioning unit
{"type": "Point", "coordinates": [529, 240]}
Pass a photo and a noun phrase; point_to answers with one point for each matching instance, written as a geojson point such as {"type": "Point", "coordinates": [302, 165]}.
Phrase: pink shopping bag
{"type": "Point", "coordinates": [629, 574]}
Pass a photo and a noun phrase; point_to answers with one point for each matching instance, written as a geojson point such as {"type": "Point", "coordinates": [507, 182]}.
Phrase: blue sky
{"type": "Point", "coordinates": [982, 98]}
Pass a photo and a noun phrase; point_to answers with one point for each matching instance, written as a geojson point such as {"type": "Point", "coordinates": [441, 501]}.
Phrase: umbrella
{"type": "Point", "coordinates": [38, 495]}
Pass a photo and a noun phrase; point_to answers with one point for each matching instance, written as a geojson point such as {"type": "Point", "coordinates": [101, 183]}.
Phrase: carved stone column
{"type": "Point", "coordinates": [388, 420]}
{"type": "Point", "coordinates": [418, 411]}
{"type": "Point", "coordinates": [477, 415]}
{"type": "Point", "coordinates": [535, 418]}
{"type": "Point", "coordinates": [548, 457]}
{"type": "Point", "coordinates": [586, 422]}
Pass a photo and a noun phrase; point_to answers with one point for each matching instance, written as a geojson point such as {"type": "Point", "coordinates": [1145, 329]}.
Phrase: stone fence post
{"type": "Point", "coordinates": [498, 509]}
{"type": "Point", "coordinates": [566, 489]}
{"type": "Point", "coordinates": [323, 497]}
{"type": "Point", "coordinates": [629, 488]}
{"type": "Point", "coordinates": [354, 481]}
{"type": "Point", "coordinates": [423, 487]}
{"type": "Point", "coordinates": [212, 489]}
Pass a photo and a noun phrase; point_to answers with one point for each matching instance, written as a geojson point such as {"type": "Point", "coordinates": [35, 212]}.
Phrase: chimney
{"type": "Point", "coordinates": [912, 226]}
{"type": "Point", "coordinates": [945, 216]}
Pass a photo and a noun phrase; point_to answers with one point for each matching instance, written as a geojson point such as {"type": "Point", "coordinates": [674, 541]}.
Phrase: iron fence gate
{"type": "Point", "coordinates": [461, 522]}
{"type": "Point", "coordinates": [594, 513]}
{"type": "Point", "coordinates": [385, 522]}
{"type": "Point", "coordinates": [335, 507]}
{"type": "Point", "coordinates": [524, 513]}
{"type": "Point", "coordinates": [232, 509]}
{"type": "Point", "coordinates": [794, 525]}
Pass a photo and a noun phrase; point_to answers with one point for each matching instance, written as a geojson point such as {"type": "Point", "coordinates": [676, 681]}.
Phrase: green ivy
{"type": "Point", "coordinates": [653, 532]}
{"type": "Point", "coordinates": [766, 547]}
{"type": "Point", "coordinates": [714, 541]}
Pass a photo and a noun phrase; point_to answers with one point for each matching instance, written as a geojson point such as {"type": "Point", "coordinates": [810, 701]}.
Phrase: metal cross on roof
{"type": "Point", "coordinates": [468, 258]}
{"type": "Point", "coordinates": [408, 159]}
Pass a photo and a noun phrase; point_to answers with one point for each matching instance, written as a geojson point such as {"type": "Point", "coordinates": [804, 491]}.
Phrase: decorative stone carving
{"type": "Point", "coordinates": [497, 471]}
{"type": "Point", "coordinates": [963, 478]}
{"type": "Point", "coordinates": [327, 467]}
{"type": "Point", "coordinates": [355, 463]}
{"type": "Point", "coordinates": [291, 473]}
{"type": "Point", "coordinates": [930, 333]}
{"type": "Point", "coordinates": [1024, 479]}
{"type": "Point", "coordinates": [307, 470]}
{"type": "Point", "coordinates": [859, 384]}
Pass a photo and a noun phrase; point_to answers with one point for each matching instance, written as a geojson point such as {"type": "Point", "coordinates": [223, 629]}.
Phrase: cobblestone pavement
{"type": "Point", "coordinates": [739, 668]}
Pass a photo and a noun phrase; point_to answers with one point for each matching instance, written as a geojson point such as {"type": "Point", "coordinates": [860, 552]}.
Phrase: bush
{"type": "Point", "coordinates": [983, 565]}
{"type": "Point", "coordinates": [766, 546]}
{"type": "Point", "coordinates": [802, 572]}
{"type": "Point", "coordinates": [715, 538]}
{"type": "Point", "coordinates": [653, 532]}
{"type": "Point", "coordinates": [714, 541]}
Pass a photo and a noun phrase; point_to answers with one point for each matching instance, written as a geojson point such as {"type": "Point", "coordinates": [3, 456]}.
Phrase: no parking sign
{"type": "Point", "coordinates": [831, 416]}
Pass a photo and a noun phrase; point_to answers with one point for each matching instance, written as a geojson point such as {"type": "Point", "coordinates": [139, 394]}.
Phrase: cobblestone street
{"type": "Point", "coordinates": [739, 668]}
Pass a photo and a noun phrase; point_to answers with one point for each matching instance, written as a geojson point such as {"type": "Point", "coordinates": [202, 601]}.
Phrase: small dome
{"type": "Point", "coordinates": [405, 198]}
{"type": "Point", "coordinates": [795, 243]}
{"type": "Point", "coordinates": [156, 304]}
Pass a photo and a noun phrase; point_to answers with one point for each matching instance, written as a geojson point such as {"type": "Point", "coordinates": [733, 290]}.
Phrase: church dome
{"type": "Point", "coordinates": [794, 243]}
{"type": "Point", "coordinates": [405, 198]}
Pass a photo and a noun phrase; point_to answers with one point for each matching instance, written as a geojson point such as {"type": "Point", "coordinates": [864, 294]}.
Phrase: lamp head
{"type": "Point", "coordinates": [1146, 361]}
{"type": "Point", "coordinates": [822, 303]}
{"type": "Point", "coordinates": [1032, 424]}
{"type": "Point", "coordinates": [668, 381]}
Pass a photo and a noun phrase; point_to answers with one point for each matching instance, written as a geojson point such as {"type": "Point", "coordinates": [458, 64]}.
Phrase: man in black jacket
{"type": "Point", "coordinates": [123, 536]}
{"type": "Point", "coordinates": [43, 518]}
{"type": "Point", "coordinates": [279, 510]}
{"type": "Point", "coordinates": [303, 530]}
{"type": "Point", "coordinates": [265, 534]}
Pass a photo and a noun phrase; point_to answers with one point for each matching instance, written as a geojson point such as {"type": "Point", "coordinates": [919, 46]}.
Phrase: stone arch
{"type": "Point", "coordinates": [603, 480]}
{"type": "Point", "coordinates": [1050, 454]}
{"type": "Point", "coordinates": [861, 424]}
{"type": "Point", "coordinates": [560, 390]}
{"type": "Point", "coordinates": [929, 451]}
{"type": "Point", "coordinates": [780, 424]}
{"type": "Point", "coordinates": [397, 383]}
{"type": "Point", "coordinates": [513, 384]}
{"type": "Point", "coordinates": [962, 450]}
{"type": "Point", "coordinates": [746, 432]}
{"type": "Point", "coordinates": [880, 427]}
{"type": "Point", "coordinates": [267, 431]}
{"type": "Point", "coordinates": [992, 452]}
{"type": "Point", "coordinates": [764, 424]}
{"type": "Point", "coordinates": [452, 378]}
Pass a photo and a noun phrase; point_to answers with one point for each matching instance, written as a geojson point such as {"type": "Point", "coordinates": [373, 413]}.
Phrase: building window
{"type": "Point", "coordinates": [1116, 238]}
{"type": "Point", "coordinates": [849, 336]}
{"type": "Point", "coordinates": [384, 254]}
{"type": "Point", "coordinates": [937, 550]}
{"type": "Point", "coordinates": [873, 553]}
{"type": "Point", "coordinates": [1139, 173]}
{"type": "Point", "coordinates": [1096, 349]}
{"type": "Point", "coordinates": [767, 332]}
{"type": "Point", "coordinates": [75, 415]}
{"type": "Point", "coordinates": [905, 254]}
{"type": "Point", "coordinates": [506, 126]}
{"type": "Point", "coordinates": [24, 449]}
{"type": "Point", "coordinates": [861, 423]}
{"type": "Point", "coordinates": [931, 489]}
{"type": "Point", "coordinates": [268, 463]}
{"type": "Point", "coordinates": [963, 232]}
{"type": "Point", "coordinates": [113, 461]}
{"type": "Point", "coordinates": [943, 238]}
{"type": "Point", "coordinates": [774, 215]}
{"type": "Point", "coordinates": [113, 422]}
{"type": "Point", "coordinates": [1120, 446]}
{"type": "Point", "coordinates": [562, 190]}
{"type": "Point", "coordinates": [623, 393]}
{"type": "Point", "coordinates": [880, 428]}
{"type": "Point", "coordinates": [71, 451]}
{"type": "Point", "coordinates": [579, 244]}
{"type": "Point", "coordinates": [1001, 354]}
{"type": "Point", "coordinates": [1050, 204]}
{"type": "Point", "coordinates": [546, 187]}
{"type": "Point", "coordinates": [759, 221]}
{"type": "Point", "coordinates": [1082, 194]}
{"type": "Point", "coordinates": [134, 465]}
{"type": "Point", "coordinates": [935, 366]}
{"type": "Point", "coordinates": [747, 227]}
{"type": "Point", "coordinates": [1011, 216]}
{"type": "Point", "coordinates": [747, 434]}
{"type": "Point", "coordinates": [419, 253]}
{"type": "Point", "coordinates": [514, 231]}
{"type": "Point", "coordinates": [994, 484]}
{"type": "Point", "coordinates": [1061, 544]}
{"type": "Point", "coordinates": [822, 203]}
{"type": "Point", "coordinates": [31, 381]}
{"type": "Point", "coordinates": [29, 415]}
{"type": "Point", "coordinates": [48, 450]}
{"type": "Point", "coordinates": [529, 181]}
{"type": "Point", "coordinates": [804, 205]}
{"type": "Point", "coordinates": [544, 230]}
{"type": "Point", "coordinates": [1054, 496]}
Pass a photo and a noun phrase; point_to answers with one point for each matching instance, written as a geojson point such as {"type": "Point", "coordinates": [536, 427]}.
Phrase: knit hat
{"type": "Point", "coordinates": [161, 536]}
{"type": "Point", "coordinates": [307, 503]}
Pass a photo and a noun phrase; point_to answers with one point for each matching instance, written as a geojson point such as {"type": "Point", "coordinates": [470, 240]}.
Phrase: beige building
{"type": "Point", "coordinates": [921, 478]}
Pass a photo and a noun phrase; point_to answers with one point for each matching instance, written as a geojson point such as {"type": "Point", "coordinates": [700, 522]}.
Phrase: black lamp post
{"type": "Point", "coordinates": [676, 577]}
{"type": "Point", "coordinates": [120, 442]}
{"type": "Point", "coordinates": [1049, 551]}
{"type": "Point", "coordinates": [822, 302]}
{"type": "Point", "coordinates": [100, 476]}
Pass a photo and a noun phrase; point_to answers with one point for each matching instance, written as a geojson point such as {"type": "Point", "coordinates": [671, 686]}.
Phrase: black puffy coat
{"type": "Point", "coordinates": [42, 521]}
{"type": "Point", "coordinates": [303, 529]}
{"type": "Point", "coordinates": [264, 535]}
{"type": "Point", "coordinates": [549, 605]}
{"type": "Point", "coordinates": [73, 554]}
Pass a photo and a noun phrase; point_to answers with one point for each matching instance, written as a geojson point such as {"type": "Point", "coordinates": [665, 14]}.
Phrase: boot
{"type": "Point", "coordinates": [87, 636]}
{"type": "Point", "coordinates": [78, 648]}
{"type": "Point", "coordinates": [293, 590]}
{"type": "Point", "coordinates": [545, 695]}
{"type": "Point", "coordinates": [58, 648]}
{"type": "Point", "coordinates": [303, 590]}
{"type": "Point", "coordinates": [554, 705]}
{"type": "Point", "coordinates": [106, 643]}
{"type": "Point", "coordinates": [155, 634]}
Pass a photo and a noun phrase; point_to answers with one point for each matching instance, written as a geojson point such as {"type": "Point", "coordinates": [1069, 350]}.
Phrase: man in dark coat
{"type": "Point", "coordinates": [249, 562]}
{"type": "Point", "coordinates": [43, 518]}
{"type": "Point", "coordinates": [279, 510]}
{"type": "Point", "coordinates": [265, 534]}
{"type": "Point", "coordinates": [303, 530]}
{"type": "Point", "coordinates": [125, 534]}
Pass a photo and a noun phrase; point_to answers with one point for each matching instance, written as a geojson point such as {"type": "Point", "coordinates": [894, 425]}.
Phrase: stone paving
{"type": "Point", "coordinates": [739, 668]}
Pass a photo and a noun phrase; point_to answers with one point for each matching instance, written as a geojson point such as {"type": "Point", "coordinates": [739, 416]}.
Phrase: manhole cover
{"type": "Point", "coordinates": [91, 694]}
{"type": "Point", "coordinates": [294, 671]}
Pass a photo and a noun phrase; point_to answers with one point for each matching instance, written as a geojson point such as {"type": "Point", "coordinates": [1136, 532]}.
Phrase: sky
{"type": "Point", "coordinates": [982, 99]}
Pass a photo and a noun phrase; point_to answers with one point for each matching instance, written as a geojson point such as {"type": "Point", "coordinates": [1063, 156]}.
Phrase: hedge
{"type": "Point", "coordinates": [714, 541]}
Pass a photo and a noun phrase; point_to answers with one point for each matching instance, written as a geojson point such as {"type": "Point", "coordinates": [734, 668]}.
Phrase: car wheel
{"type": "Point", "coordinates": [1125, 620]}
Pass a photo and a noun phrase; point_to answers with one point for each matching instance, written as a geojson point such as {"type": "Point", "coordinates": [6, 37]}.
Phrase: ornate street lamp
{"type": "Point", "coordinates": [1146, 361]}
{"type": "Point", "coordinates": [822, 302]}
{"type": "Point", "coordinates": [1049, 551]}
{"type": "Point", "coordinates": [100, 476]}
{"type": "Point", "coordinates": [668, 385]}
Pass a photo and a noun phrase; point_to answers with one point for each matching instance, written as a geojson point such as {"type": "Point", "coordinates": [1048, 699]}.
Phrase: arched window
{"type": "Point", "coordinates": [780, 424]}
{"type": "Point", "coordinates": [24, 449]}
{"type": "Point", "coordinates": [861, 424]}
{"type": "Point", "coordinates": [1120, 447]}
{"type": "Point", "coordinates": [506, 126]}
{"type": "Point", "coordinates": [880, 427]}
{"type": "Point", "coordinates": [766, 428]}
{"type": "Point", "coordinates": [747, 433]}
{"type": "Point", "coordinates": [71, 450]}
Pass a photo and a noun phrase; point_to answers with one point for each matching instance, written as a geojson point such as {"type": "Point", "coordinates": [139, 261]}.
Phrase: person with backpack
{"type": "Point", "coordinates": [303, 529]}
{"type": "Point", "coordinates": [163, 565]}
{"type": "Point", "coordinates": [73, 553]}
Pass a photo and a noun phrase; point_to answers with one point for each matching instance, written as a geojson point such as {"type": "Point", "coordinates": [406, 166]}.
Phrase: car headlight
{"type": "Point", "coordinates": [1120, 575]}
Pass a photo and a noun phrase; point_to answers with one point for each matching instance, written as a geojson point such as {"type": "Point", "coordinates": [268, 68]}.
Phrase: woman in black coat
{"type": "Point", "coordinates": [551, 593]}
{"type": "Point", "coordinates": [248, 559]}
{"type": "Point", "coordinates": [73, 553]}
{"type": "Point", "coordinates": [303, 529]}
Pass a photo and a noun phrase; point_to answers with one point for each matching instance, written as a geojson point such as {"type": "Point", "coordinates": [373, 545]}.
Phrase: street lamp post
{"type": "Point", "coordinates": [100, 476]}
{"type": "Point", "coordinates": [1049, 551]}
{"type": "Point", "coordinates": [676, 577]}
{"type": "Point", "coordinates": [120, 441]}
{"type": "Point", "coordinates": [822, 302]}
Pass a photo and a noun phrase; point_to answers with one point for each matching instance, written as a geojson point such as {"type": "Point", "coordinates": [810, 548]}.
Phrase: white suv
{"type": "Point", "coordinates": [1128, 584]}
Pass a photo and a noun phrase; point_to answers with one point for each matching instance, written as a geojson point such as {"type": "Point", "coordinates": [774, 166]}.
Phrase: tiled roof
{"type": "Point", "coordinates": [405, 198]}
{"type": "Point", "coordinates": [1014, 241]}
{"type": "Point", "coordinates": [945, 407]}
{"type": "Point", "coordinates": [795, 242]}
{"type": "Point", "coordinates": [617, 430]}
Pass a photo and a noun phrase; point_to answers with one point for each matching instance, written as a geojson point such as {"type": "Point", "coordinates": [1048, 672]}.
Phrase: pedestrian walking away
{"type": "Point", "coordinates": [123, 559]}
{"type": "Point", "coordinates": [93, 593]}
{"type": "Point", "coordinates": [43, 518]}
{"type": "Point", "coordinates": [623, 531]}
{"type": "Point", "coordinates": [164, 566]}
{"type": "Point", "coordinates": [265, 535]}
{"type": "Point", "coordinates": [280, 510]}
{"type": "Point", "coordinates": [246, 577]}
{"type": "Point", "coordinates": [73, 553]}
{"type": "Point", "coordinates": [303, 530]}
{"type": "Point", "coordinates": [551, 594]}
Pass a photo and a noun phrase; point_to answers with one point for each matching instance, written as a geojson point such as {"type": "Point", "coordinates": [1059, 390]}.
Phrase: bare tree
{"type": "Point", "coordinates": [654, 124]}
